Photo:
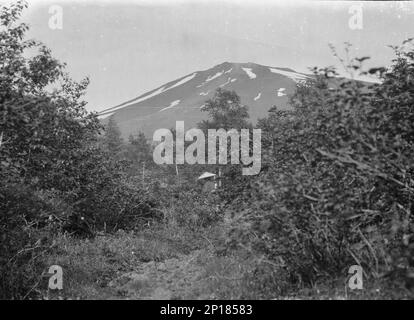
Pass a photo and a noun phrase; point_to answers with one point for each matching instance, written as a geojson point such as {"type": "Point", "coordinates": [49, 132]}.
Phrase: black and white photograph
{"type": "Point", "coordinates": [210, 151]}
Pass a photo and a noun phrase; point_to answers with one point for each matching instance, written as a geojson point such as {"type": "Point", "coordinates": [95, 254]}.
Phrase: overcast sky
{"type": "Point", "coordinates": [130, 47]}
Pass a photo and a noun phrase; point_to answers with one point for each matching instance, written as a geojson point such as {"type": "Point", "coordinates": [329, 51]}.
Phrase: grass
{"type": "Point", "coordinates": [90, 264]}
{"type": "Point", "coordinates": [179, 263]}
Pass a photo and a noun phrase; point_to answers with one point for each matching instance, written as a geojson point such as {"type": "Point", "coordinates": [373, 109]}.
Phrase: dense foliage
{"type": "Point", "coordinates": [337, 185]}
{"type": "Point", "coordinates": [54, 174]}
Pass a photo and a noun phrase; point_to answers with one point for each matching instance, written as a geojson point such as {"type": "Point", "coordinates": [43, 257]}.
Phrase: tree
{"type": "Point", "coordinates": [112, 140]}
{"type": "Point", "coordinates": [42, 134]}
{"type": "Point", "coordinates": [225, 111]}
{"type": "Point", "coordinates": [270, 127]}
{"type": "Point", "coordinates": [138, 152]}
{"type": "Point", "coordinates": [53, 175]}
{"type": "Point", "coordinates": [40, 130]}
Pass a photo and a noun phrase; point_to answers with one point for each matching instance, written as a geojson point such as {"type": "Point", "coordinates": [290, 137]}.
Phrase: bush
{"type": "Point", "coordinates": [53, 175]}
{"type": "Point", "coordinates": [25, 237]}
{"type": "Point", "coordinates": [186, 206]}
{"type": "Point", "coordinates": [103, 198]}
{"type": "Point", "coordinates": [337, 182]}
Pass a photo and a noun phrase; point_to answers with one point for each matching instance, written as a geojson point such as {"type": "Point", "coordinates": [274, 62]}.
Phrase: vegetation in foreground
{"type": "Point", "coordinates": [336, 190]}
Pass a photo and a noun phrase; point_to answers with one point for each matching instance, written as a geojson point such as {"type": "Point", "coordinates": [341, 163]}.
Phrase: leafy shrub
{"type": "Point", "coordinates": [53, 175]}
{"type": "Point", "coordinates": [337, 182]}
{"type": "Point", "coordinates": [187, 206]}
{"type": "Point", "coordinates": [25, 238]}
{"type": "Point", "coordinates": [102, 198]}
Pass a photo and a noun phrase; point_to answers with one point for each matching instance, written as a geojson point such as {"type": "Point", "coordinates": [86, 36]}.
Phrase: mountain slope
{"type": "Point", "coordinates": [259, 87]}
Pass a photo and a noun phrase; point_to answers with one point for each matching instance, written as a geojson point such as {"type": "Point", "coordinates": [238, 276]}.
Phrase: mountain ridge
{"type": "Point", "coordinates": [259, 87]}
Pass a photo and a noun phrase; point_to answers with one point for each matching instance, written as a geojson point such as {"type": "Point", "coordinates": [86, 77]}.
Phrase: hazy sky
{"type": "Point", "coordinates": [130, 47]}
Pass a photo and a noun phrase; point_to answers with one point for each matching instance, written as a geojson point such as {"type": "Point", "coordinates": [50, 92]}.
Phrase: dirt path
{"type": "Point", "coordinates": [174, 278]}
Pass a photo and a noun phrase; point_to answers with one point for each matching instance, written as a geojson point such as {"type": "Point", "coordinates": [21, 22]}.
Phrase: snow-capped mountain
{"type": "Point", "coordinates": [259, 87]}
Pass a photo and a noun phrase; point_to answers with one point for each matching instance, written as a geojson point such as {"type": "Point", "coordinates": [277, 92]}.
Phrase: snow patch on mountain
{"type": "Point", "coordinates": [172, 104]}
{"type": "Point", "coordinates": [249, 72]}
{"type": "Point", "coordinates": [204, 93]}
{"type": "Point", "coordinates": [156, 92]}
{"type": "Point", "coordinates": [106, 115]}
{"type": "Point", "coordinates": [218, 74]}
{"type": "Point", "coordinates": [182, 81]}
{"type": "Point", "coordinates": [258, 96]}
{"type": "Point", "coordinates": [227, 82]}
{"type": "Point", "coordinates": [292, 75]}
{"type": "Point", "coordinates": [281, 92]}
{"type": "Point", "coordinates": [146, 97]}
{"type": "Point", "coordinates": [228, 71]}
{"type": "Point", "coordinates": [210, 78]}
